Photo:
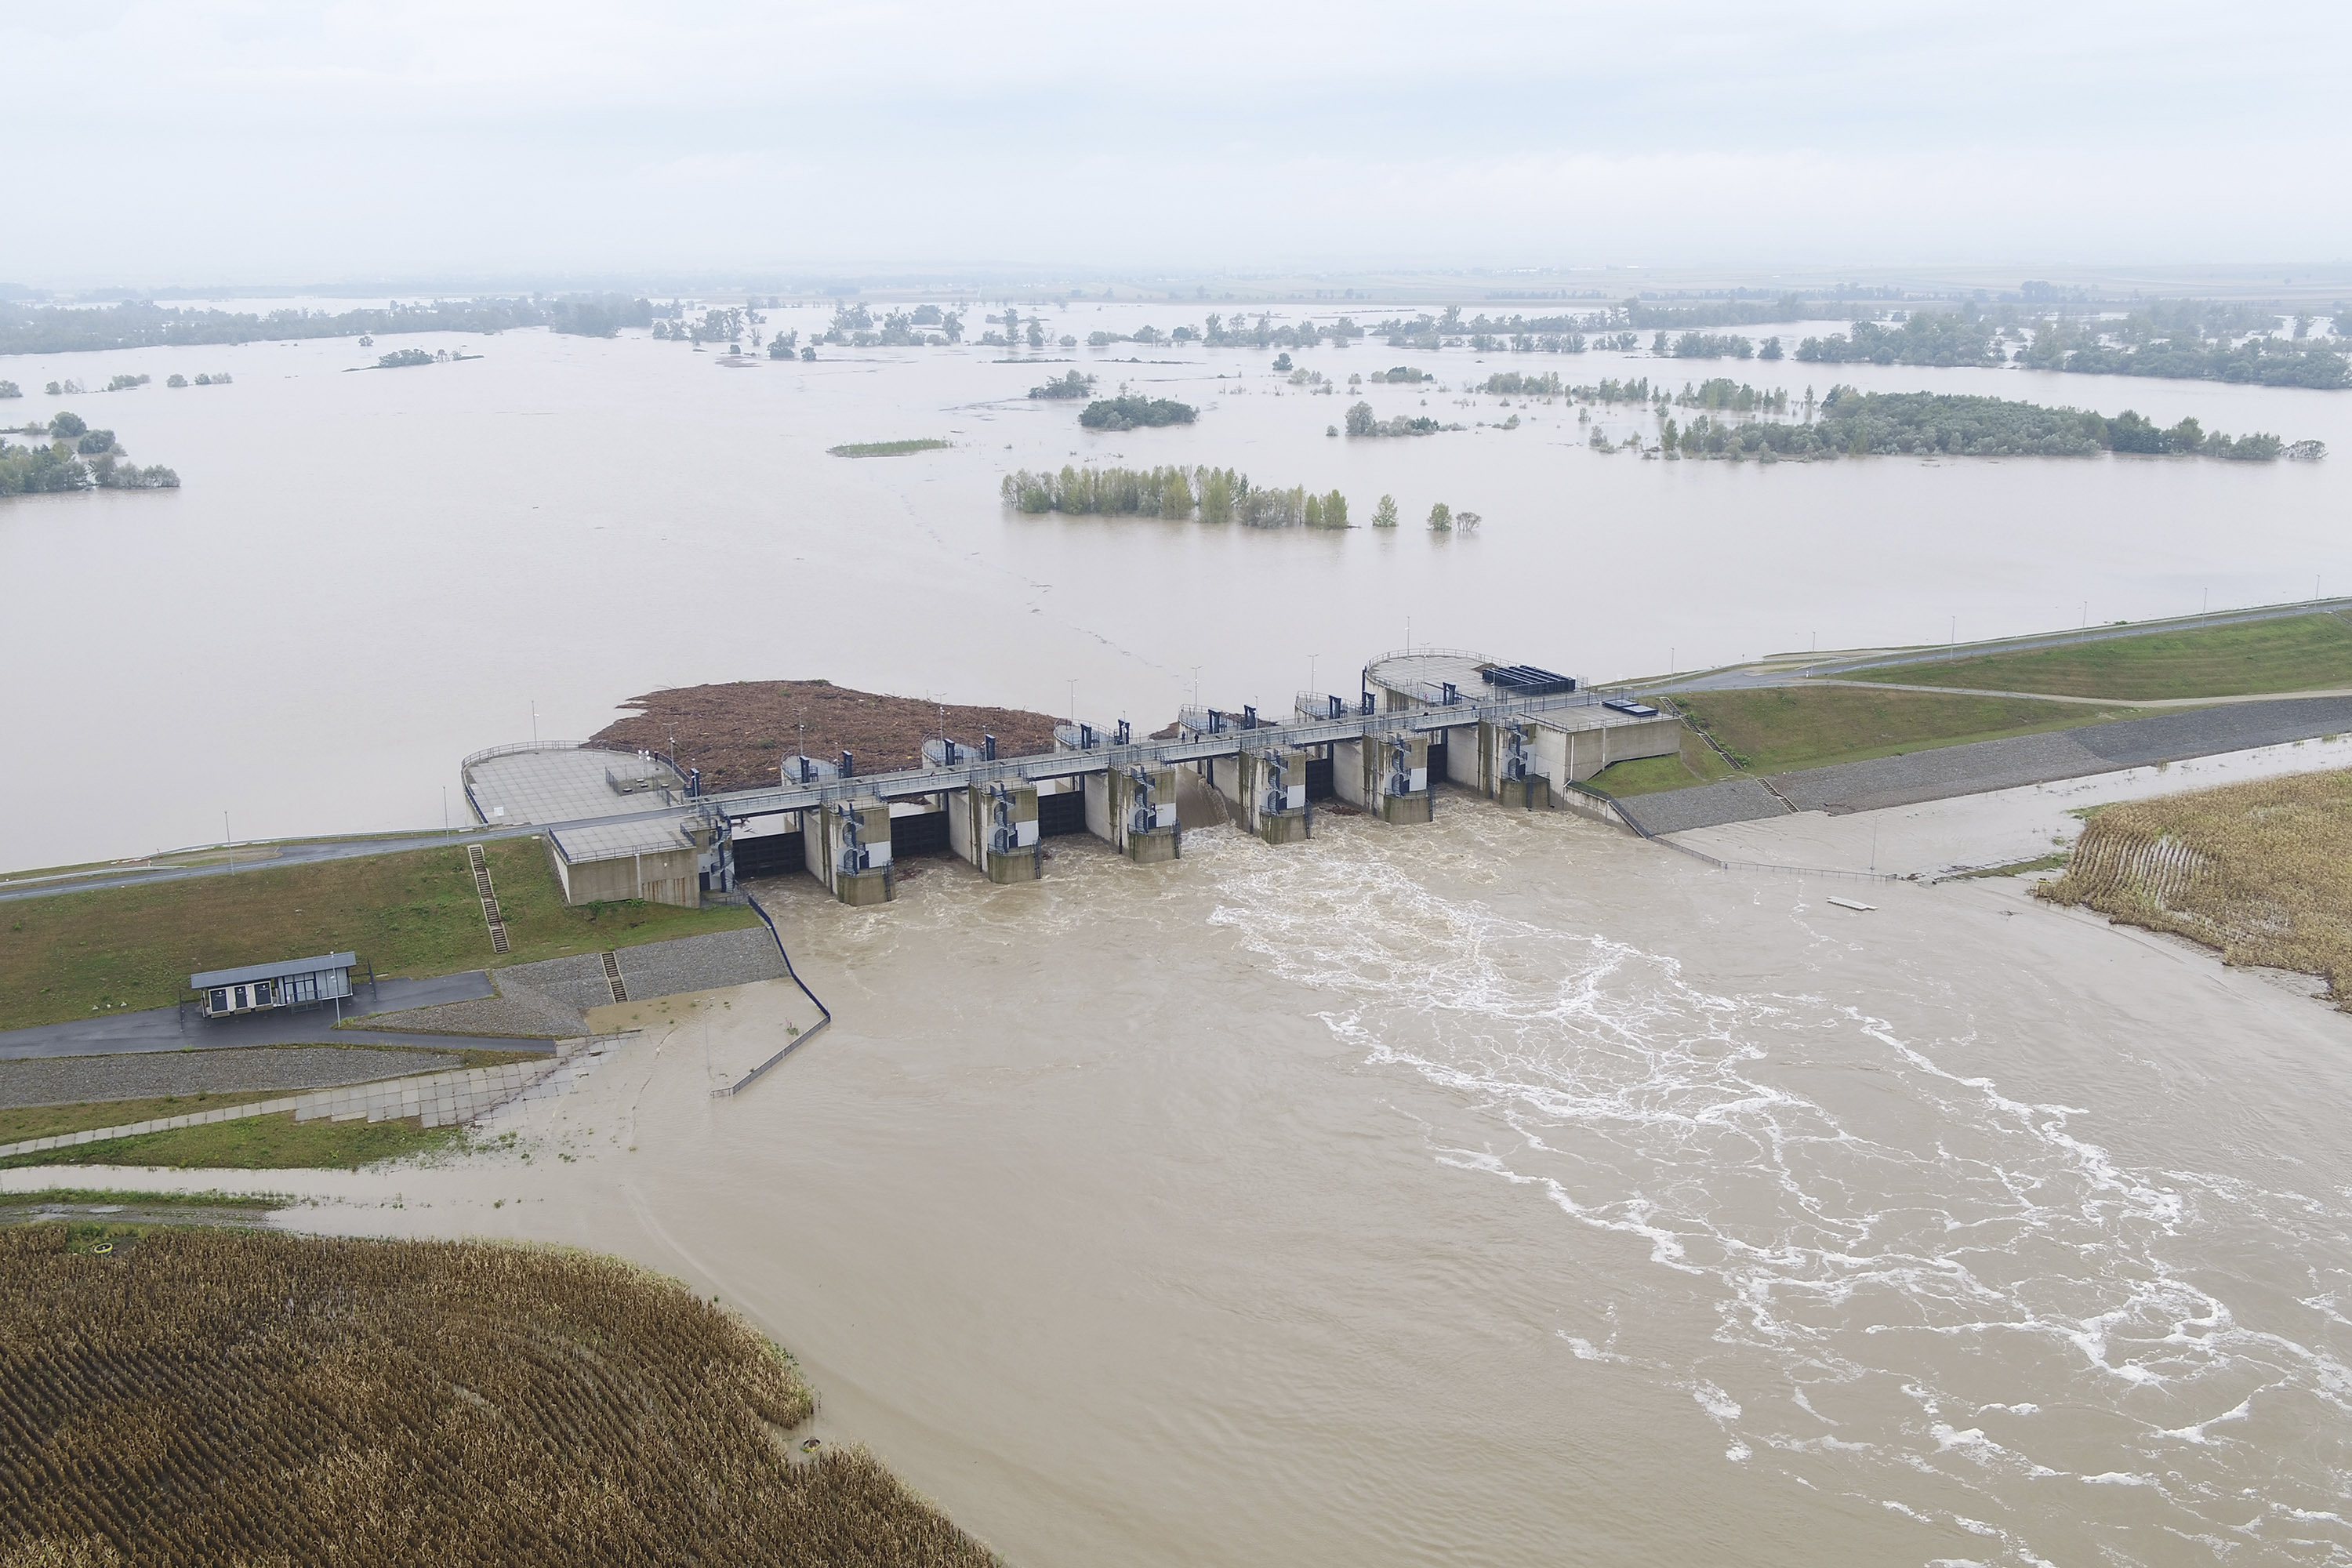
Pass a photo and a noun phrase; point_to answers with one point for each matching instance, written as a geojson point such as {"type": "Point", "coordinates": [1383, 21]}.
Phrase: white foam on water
{"type": "Point", "coordinates": [1945, 1247]}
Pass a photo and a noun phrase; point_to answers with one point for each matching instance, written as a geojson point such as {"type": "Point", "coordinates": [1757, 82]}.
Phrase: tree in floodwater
{"type": "Point", "coordinates": [1074, 385]}
{"type": "Point", "coordinates": [1441, 518]}
{"type": "Point", "coordinates": [1126, 413]}
{"type": "Point", "coordinates": [1385, 514]}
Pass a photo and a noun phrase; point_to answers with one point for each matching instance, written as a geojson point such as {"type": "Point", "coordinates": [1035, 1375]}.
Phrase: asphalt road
{"type": "Point", "coordinates": [182, 1028]}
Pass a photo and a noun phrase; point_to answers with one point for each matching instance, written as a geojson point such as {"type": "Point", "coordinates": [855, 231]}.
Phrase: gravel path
{"type": "Point", "coordinates": [1982, 766]}
{"type": "Point", "coordinates": [519, 1008]}
{"type": "Point", "coordinates": [1701, 806]}
{"type": "Point", "coordinates": [1944, 771]}
{"type": "Point", "coordinates": [700, 963]}
{"type": "Point", "coordinates": [576, 982]}
{"type": "Point", "coordinates": [2123, 743]}
{"type": "Point", "coordinates": [70, 1080]}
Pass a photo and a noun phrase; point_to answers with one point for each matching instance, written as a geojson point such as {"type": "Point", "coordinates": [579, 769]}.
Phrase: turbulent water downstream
{"type": "Point", "coordinates": [1506, 1192]}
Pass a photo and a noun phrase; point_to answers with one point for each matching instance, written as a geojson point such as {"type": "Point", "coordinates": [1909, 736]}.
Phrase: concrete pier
{"type": "Point", "coordinates": [1508, 769]}
{"type": "Point", "coordinates": [1387, 776]}
{"type": "Point", "coordinates": [1133, 809]}
{"type": "Point", "coordinates": [1267, 790]}
{"type": "Point", "coordinates": [994, 826]}
{"type": "Point", "coordinates": [848, 849]}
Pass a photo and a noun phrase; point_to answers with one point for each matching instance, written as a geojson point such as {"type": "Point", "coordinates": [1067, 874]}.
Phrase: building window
{"type": "Point", "coordinates": [219, 1003]}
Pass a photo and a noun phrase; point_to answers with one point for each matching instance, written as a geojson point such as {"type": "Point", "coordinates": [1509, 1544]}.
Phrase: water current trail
{"type": "Point", "coordinates": [1922, 1290]}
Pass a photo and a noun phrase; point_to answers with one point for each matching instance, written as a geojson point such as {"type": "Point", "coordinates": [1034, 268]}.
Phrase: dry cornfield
{"type": "Point", "coordinates": [2261, 870]}
{"type": "Point", "coordinates": [222, 1397]}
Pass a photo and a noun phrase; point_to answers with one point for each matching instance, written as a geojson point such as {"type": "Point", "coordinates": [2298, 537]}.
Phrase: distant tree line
{"type": "Point", "coordinates": [2179, 340]}
{"type": "Point", "coordinates": [2188, 341]}
{"type": "Point", "coordinates": [1946, 338]}
{"type": "Point", "coordinates": [139, 324]}
{"type": "Point", "coordinates": [1213, 495]}
{"type": "Point", "coordinates": [1722, 395]}
{"type": "Point", "coordinates": [600, 316]}
{"type": "Point", "coordinates": [1703, 346]}
{"type": "Point", "coordinates": [853, 325]}
{"type": "Point", "coordinates": [1512, 383]}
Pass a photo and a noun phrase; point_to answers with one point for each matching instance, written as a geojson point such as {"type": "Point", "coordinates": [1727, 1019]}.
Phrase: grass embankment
{"type": "Point", "coordinates": [2299, 653]}
{"type": "Point", "coordinates": [886, 448]}
{"type": "Point", "coordinates": [1787, 729]}
{"type": "Point", "coordinates": [2260, 871]}
{"type": "Point", "coordinates": [20, 1122]}
{"type": "Point", "coordinates": [250, 1143]}
{"type": "Point", "coordinates": [70, 955]}
{"type": "Point", "coordinates": [303, 1399]}
{"type": "Point", "coordinates": [88, 1195]}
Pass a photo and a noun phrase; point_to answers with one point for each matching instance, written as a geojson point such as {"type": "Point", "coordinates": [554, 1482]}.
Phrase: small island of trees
{"type": "Point", "coordinates": [1126, 413]}
{"type": "Point", "coordinates": [1362, 421]}
{"type": "Point", "coordinates": [1857, 424]}
{"type": "Point", "coordinates": [1073, 385]}
{"type": "Point", "coordinates": [1179, 494]}
{"type": "Point", "coordinates": [403, 359]}
{"type": "Point", "coordinates": [60, 465]}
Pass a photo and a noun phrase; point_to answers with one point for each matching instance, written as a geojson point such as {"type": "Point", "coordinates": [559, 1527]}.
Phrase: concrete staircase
{"type": "Point", "coordinates": [489, 897]}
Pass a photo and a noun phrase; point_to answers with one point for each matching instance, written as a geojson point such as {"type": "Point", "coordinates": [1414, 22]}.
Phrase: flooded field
{"type": "Point", "coordinates": [367, 575]}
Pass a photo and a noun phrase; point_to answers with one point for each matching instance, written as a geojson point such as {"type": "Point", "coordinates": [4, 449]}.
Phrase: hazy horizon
{"type": "Point", "coordinates": [264, 142]}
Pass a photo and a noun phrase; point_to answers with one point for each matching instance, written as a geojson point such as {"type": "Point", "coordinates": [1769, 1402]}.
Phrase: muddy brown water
{"type": "Point", "coordinates": [1507, 1191]}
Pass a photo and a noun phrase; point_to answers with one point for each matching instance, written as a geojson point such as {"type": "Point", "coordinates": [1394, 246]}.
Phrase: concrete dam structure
{"type": "Point", "coordinates": [626, 825]}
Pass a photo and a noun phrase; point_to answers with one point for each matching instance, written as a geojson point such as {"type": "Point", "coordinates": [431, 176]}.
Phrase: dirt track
{"type": "Point", "coordinates": [737, 733]}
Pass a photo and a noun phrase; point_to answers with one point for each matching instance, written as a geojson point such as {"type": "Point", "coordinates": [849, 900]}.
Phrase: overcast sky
{"type": "Point", "coordinates": [192, 142]}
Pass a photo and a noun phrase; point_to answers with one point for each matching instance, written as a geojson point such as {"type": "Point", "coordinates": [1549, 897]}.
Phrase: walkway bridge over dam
{"type": "Point", "coordinates": [1518, 735]}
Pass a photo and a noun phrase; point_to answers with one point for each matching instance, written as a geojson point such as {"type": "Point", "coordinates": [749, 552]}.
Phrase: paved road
{"type": "Point", "coordinates": [1942, 771]}
{"type": "Point", "coordinates": [180, 1028]}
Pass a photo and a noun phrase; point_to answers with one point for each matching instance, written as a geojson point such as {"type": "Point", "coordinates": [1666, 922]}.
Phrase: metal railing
{"type": "Point", "coordinates": [797, 1041]}
{"type": "Point", "coordinates": [1294, 736]}
{"type": "Point", "coordinates": [516, 749]}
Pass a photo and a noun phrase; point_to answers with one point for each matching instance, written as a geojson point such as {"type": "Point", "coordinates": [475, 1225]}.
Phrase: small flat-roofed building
{"type": "Point", "coordinates": [1561, 745]}
{"type": "Point", "coordinates": [291, 983]}
{"type": "Point", "coordinates": [656, 858]}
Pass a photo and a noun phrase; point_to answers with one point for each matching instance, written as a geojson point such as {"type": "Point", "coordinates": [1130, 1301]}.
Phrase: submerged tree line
{"type": "Point", "coordinates": [1179, 494]}
{"type": "Point", "coordinates": [75, 458]}
{"type": "Point", "coordinates": [140, 325]}
{"type": "Point", "coordinates": [2184, 340]}
{"type": "Point", "coordinates": [1857, 424]}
